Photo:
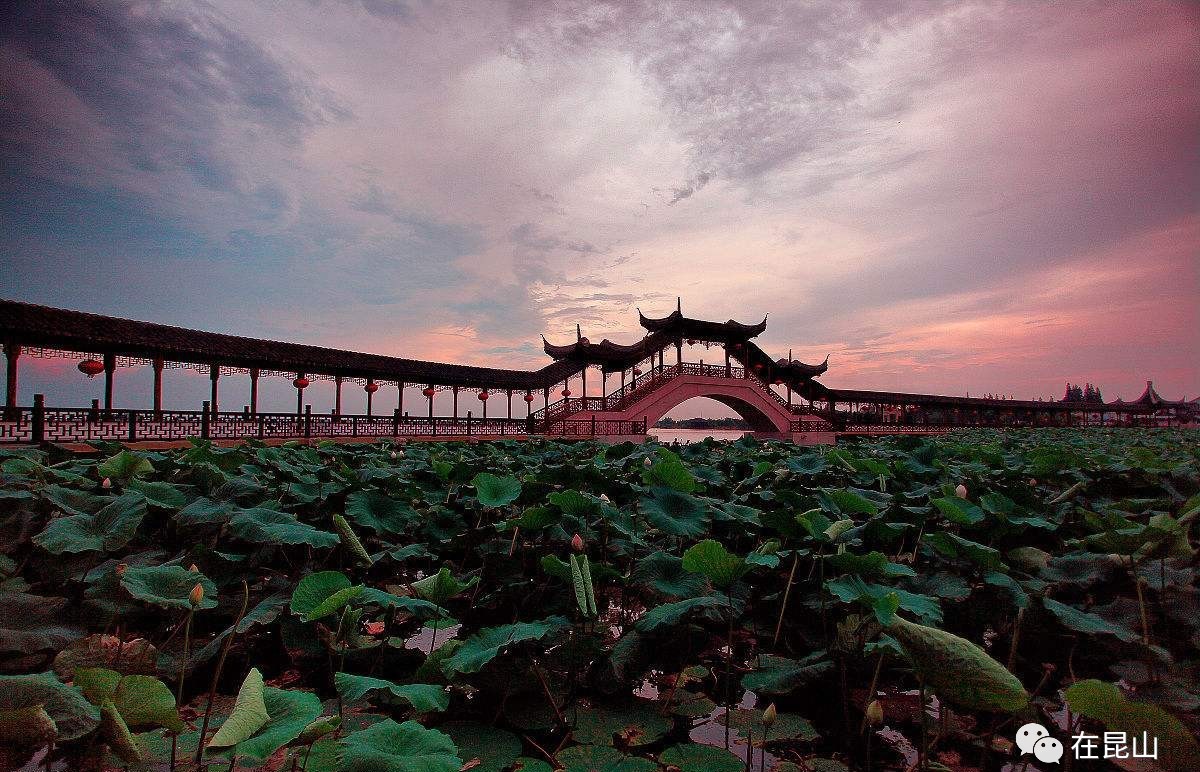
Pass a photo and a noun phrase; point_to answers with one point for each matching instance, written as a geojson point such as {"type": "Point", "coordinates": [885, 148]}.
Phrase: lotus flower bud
{"type": "Point", "coordinates": [194, 568]}
{"type": "Point", "coordinates": [647, 463]}
{"type": "Point", "coordinates": [769, 715]}
{"type": "Point", "coordinates": [1032, 482]}
{"type": "Point", "coordinates": [196, 597]}
{"type": "Point", "coordinates": [875, 713]}
{"type": "Point", "coordinates": [577, 543]}
{"type": "Point", "coordinates": [961, 491]}
{"type": "Point", "coordinates": [604, 497]}
{"type": "Point", "coordinates": [393, 454]}
{"type": "Point", "coordinates": [121, 569]}
{"type": "Point", "coordinates": [106, 483]}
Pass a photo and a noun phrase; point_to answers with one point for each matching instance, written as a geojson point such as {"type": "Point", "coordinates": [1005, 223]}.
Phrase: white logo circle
{"type": "Point", "coordinates": [1028, 735]}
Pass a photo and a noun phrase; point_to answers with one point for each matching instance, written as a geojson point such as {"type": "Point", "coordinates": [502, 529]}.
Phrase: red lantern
{"type": "Point", "coordinates": [91, 367]}
{"type": "Point", "coordinates": [637, 371]}
{"type": "Point", "coordinates": [758, 365]}
{"type": "Point", "coordinates": [300, 383]}
{"type": "Point", "coordinates": [371, 387]}
{"type": "Point", "coordinates": [778, 381]}
{"type": "Point", "coordinates": [429, 391]}
{"type": "Point", "coordinates": [483, 395]}
{"type": "Point", "coordinates": [528, 398]}
{"type": "Point", "coordinates": [737, 346]}
{"type": "Point", "coordinates": [566, 392]}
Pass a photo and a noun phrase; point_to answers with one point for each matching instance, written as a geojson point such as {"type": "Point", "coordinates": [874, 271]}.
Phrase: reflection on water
{"type": "Point", "coordinates": [685, 436]}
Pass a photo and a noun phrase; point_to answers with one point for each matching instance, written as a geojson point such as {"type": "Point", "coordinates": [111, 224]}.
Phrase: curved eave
{"type": "Point", "coordinates": [684, 327]}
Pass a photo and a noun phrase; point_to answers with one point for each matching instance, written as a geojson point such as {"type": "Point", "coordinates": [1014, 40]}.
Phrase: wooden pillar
{"type": "Point", "coordinates": [400, 398]}
{"type": "Point", "coordinates": [110, 367]}
{"type": "Point", "coordinates": [158, 365]}
{"type": "Point", "coordinates": [431, 395]}
{"type": "Point", "coordinates": [509, 392]}
{"type": "Point", "coordinates": [299, 396]}
{"type": "Point", "coordinates": [546, 396]}
{"type": "Point", "coordinates": [679, 352]}
{"type": "Point", "coordinates": [454, 391]}
{"type": "Point", "coordinates": [484, 401]}
{"type": "Point", "coordinates": [583, 389]}
{"type": "Point", "coordinates": [370, 395]}
{"type": "Point", "coordinates": [603, 383]}
{"type": "Point", "coordinates": [214, 373]}
{"type": "Point", "coordinates": [11, 352]}
{"type": "Point", "coordinates": [337, 395]}
{"type": "Point", "coordinates": [253, 391]}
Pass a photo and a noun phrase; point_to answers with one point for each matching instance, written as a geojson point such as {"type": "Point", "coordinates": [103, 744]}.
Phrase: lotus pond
{"type": "Point", "coordinates": [887, 604]}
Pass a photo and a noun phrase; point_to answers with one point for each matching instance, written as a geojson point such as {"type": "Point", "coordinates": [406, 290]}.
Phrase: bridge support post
{"type": "Point", "coordinates": [38, 430]}
{"type": "Point", "coordinates": [253, 391]}
{"type": "Point", "coordinates": [454, 391]}
{"type": "Point", "coordinates": [468, 423]}
{"type": "Point", "coordinates": [204, 420]}
{"type": "Point", "coordinates": [431, 393]}
{"type": "Point", "coordinates": [299, 396]}
{"type": "Point", "coordinates": [214, 373]}
{"type": "Point", "coordinates": [337, 395]}
{"type": "Point", "coordinates": [158, 365]}
{"type": "Point", "coordinates": [110, 367]}
{"type": "Point", "coordinates": [307, 421]}
{"type": "Point", "coordinates": [11, 352]}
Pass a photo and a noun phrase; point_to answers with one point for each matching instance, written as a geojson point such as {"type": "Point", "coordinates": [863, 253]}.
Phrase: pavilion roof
{"type": "Point", "coordinates": [679, 326]}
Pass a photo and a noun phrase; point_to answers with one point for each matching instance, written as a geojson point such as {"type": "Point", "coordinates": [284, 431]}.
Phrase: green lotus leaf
{"type": "Point", "coordinates": [249, 713]}
{"type": "Point", "coordinates": [391, 747]}
{"type": "Point", "coordinates": [845, 502]}
{"type": "Point", "coordinates": [289, 712]}
{"type": "Point", "coordinates": [108, 530]}
{"type": "Point", "coordinates": [32, 623]}
{"type": "Point", "coordinates": [958, 670]}
{"type": "Point", "coordinates": [267, 526]}
{"type": "Point", "coordinates": [26, 727]}
{"type": "Point", "coordinates": [493, 492]}
{"type": "Point", "coordinates": [380, 512]}
{"type": "Point", "coordinates": [160, 494]}
{"type": "Point", "coordinates": [670, 614]}
{"type": "Point", "coordinates": [781, 675]}
{"type": "Point", "coordinates": [168, 586]}
{"type": "Point", "coordinates": [318, 595]}
{"type": "Point", "coordinates": [711, 559]}
{"type": "Point", "coordinates": [142, 701]}
{"type": "Point", "coordinates": [488, 748]}
{"type": "Point", "coordinates": [1178, 750]}
{"type": "Point", "coordinates": [486, 645]}
{"type": "Point", "coordinates": [424, 698]}
{"type": "Point", "coordinates": [1084, 622]}
{"type": "Point", "coordinates": [442, 586]}
{"type": "Point", "coordinates": [873, 565]}
{"type": "Point", "coordinates": [664, 573]}
{"type": "Point", "coordinates": [72, 714]}
{"type": "Point", "coordinates": [676, 513]}
{"type": "Point", "coordinates": [125, 466]}
{"type": "Point", "coordinates": [626, 726]}
{"type": "Point", "coordinates": [958, 510]}
{"type": "Point", "coordinates": [670, 473]}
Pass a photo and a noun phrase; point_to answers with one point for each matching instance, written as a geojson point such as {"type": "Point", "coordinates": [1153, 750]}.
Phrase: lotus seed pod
{"type": "Point", "coordinates": [197, 595]}
{"type": "Point", "coordinates": [577, 543]}
{"type": "Point", "coordinates": [769, 715]}
{"type": "Point", "coordinates": [961, 491]}
{"type": "Point", "coordinates": [875, 713]}
{"type": "Point", "coordinates": [106, 483]}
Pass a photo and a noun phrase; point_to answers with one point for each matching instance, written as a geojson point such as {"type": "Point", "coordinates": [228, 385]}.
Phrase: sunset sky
{"type": "Point", "coordinates": [948, 197]}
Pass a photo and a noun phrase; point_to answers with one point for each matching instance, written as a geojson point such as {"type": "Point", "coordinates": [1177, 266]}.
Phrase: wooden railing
{"type": "Point", "coordinates": [39, 423]}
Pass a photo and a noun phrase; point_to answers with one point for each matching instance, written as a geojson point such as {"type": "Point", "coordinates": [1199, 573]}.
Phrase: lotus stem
{"type": "Point", "coordinates": [1016, 639]}
{"type": "Point", "coordinates": [871, 691]}
{"type": "Point", "coordinates": [187, 641]}
{"type": "Point", "coordinates": [787, 591]}
{"type": "Point", "coordinates": [212, 689]}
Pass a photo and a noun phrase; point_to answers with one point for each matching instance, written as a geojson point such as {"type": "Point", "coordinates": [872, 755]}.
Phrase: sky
{"type": "Point", "coordinates": [964, 197]}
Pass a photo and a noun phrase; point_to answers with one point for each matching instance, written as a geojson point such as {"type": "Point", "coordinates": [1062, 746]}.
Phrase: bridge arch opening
{"type": "Point", "coordinates": [715, 402]}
